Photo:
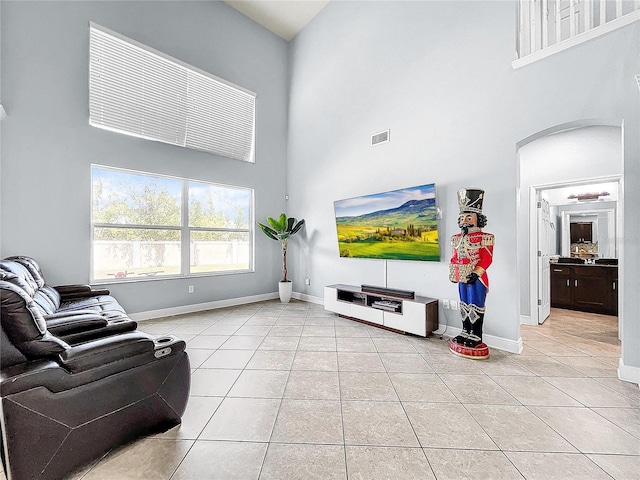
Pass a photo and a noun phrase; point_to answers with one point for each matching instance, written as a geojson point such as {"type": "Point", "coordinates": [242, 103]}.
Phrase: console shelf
{"type": "Point", "coordinates": [418, 315]}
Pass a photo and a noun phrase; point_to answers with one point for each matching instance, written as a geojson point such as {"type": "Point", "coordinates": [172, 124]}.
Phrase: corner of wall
{"type": "Point", "coordinates": [628, 373]}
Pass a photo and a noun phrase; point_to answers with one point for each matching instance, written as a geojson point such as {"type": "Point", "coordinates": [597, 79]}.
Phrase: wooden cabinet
{"type": "Point", "coordinates": [581, 232]}
{"type": "Point", "coordinates": [418, 315]}
{"type": "Point", "coordinates": [588, 288]}
{"type": "Point", "coordinates": [560, 286]}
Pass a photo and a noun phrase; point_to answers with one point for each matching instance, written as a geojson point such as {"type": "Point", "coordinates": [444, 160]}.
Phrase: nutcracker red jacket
{"type": "Point", "coordinates": [475, 248]}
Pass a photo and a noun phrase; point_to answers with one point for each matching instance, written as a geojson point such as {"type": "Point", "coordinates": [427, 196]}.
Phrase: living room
{"type": "Point", "coordinates": [438, 75]}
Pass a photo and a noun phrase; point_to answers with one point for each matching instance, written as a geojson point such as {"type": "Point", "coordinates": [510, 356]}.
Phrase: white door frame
{"type": "Point", "coordinates": [533, 239]}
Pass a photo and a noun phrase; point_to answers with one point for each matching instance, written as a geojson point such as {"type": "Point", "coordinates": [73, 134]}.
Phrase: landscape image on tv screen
{"type": "Point", "coordinates": [397, 225]}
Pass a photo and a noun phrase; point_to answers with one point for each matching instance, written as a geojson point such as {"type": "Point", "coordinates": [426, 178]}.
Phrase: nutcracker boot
{"type": "Point", "coordinates": [466, 324]}
{"type": "Point", "coordinates": [477, 319]}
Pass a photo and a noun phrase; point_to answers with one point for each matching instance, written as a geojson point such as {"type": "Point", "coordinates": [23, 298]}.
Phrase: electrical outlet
{"type": "Point", "coordinates": [191, 289]}
{"type": "Point", "coordinates": [454, 304]}
{"type": "Point", "coordinates": [445, 303]}
{"type": "Point", "coordinates": [307, 281]}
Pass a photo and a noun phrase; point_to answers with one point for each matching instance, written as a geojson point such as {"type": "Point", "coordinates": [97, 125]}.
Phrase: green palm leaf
{"type": "Point", "coordinates": [280, 230]}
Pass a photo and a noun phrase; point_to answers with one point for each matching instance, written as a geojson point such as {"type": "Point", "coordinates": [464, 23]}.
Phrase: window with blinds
{"type": "Point", "coordinates": [136, 90]}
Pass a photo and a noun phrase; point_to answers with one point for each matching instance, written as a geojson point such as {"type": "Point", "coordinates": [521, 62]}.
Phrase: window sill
{"type": "Point", "coordinates": [155, 278]}
{"type": "Point", "coordinates": [577, 40]}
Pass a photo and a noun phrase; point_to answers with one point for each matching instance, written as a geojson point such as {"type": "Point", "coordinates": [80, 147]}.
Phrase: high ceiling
{"type": "Point", "coordinates": [285, 18]}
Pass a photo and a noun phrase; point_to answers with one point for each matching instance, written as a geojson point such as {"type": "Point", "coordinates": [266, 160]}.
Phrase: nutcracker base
{"type": "Point", "coordinates": [481, 352]}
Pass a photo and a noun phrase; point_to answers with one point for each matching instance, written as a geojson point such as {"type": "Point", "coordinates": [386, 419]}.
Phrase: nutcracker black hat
{"type": "Point", "coordinates": [470, 200]}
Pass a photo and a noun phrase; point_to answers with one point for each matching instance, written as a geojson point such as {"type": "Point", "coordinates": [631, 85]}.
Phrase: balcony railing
{"type": "Point", "coordinates": [548, 26]}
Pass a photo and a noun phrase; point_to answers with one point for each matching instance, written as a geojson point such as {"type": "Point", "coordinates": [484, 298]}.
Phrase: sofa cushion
{"type": "Point", "coordinates": [25, 273]}
{"type": "Point", "coordinates": [32, 267]}
{"type": "Point", "coordinates": [24, 324]}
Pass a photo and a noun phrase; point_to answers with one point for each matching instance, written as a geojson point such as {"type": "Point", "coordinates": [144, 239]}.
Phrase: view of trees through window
{"type": "Point", "coordinates": [147, 225]}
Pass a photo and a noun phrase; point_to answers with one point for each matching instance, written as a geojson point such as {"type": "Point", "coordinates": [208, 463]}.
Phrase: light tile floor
{"type": "Point", "coordinates": [294, 392]}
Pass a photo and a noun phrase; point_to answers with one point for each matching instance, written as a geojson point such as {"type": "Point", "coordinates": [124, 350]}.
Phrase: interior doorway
{"type": "Point", "coordinates": [574, 223]}
{"type": "Point", "coordinates": [572, 156]}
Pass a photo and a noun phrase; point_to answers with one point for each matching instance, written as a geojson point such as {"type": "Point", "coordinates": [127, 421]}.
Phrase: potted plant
{"type": "Point", "coordinates": [280, 230]}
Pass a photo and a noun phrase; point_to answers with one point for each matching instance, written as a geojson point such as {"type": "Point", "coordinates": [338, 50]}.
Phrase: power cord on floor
{"type": "Point", "coordinates": [444, 331]}
{"type": "Point", "coordinates": [446, 325]}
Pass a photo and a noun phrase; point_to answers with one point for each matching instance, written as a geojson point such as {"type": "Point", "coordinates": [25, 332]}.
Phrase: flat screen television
{"type": "Point", "coordinates": [396, 225]}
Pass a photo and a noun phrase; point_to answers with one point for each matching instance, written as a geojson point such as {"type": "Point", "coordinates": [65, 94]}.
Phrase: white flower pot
{"type": "Point", "coordinates": [285, 289]}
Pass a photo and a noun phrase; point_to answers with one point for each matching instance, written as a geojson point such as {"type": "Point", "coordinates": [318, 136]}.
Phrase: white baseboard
{"type": "Point", "coordinates": [199, 307]}
{"type": "Point", "coordinates": [628, 373]}
{"type": "Point", "coordinates": [308, 298]}
{"type": "Point", "coordinates": [525, 319]}
{"type": "Point", "coordinates": [232, 302]}
{"type": "Point", "coordinates": [442, 329]}
{"type": "Point", "coordinates": [512, 346]}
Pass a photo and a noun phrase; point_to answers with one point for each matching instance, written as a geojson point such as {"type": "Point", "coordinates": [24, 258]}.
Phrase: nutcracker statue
{"type": "Point", "coordinates": [472, 254]}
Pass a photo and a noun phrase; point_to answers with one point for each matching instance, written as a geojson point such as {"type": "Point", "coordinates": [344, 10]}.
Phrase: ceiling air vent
{"type": "Point", "coordinates": [378, 138]}
{"type": "Point", "coordinates": [638, 80]}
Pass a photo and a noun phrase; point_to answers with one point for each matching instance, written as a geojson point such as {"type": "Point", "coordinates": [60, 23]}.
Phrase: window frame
{"type": "Point", "coordinates": [184, 228]}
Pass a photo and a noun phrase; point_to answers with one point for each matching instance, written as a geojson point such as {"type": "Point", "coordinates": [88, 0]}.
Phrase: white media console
{"type": "Point", "coordinates": [385, 308]}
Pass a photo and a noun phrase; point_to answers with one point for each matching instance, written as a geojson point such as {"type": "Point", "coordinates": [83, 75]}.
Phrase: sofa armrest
{"type": "Point", "coordinates": [167, 345]}
{"type": "Point", "coordinates": [20, 377]}
{"type": "Point", "coordinates": [62, 323]}
{"type": "Point", "coordinates": [68, 292]}
{"type": "Point", "coordinates": [53, 375]}
{"type": "Point", "coordinates": [106, 350]}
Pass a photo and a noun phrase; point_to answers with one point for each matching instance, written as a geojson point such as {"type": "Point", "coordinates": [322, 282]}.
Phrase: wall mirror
{"type": "Point", "coordinates": [589, 233]}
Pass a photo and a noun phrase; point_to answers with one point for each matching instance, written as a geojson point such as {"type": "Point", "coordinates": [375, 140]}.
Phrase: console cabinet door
{"type": "Point", "coordinates": [407, 321]}
{"type": "Point", "coordinates": [369, 314]}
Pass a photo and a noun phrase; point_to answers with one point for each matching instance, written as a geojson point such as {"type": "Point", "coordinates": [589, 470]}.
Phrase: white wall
{"type": "Point", "coordinates": [439, 75]}
{"type": "Point", "coordinates": [408, 66]}
{"type": "Point", "coordinates": [48, 145]}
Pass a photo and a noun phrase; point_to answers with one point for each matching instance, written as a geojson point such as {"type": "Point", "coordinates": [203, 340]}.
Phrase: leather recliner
{"type": "Point", "coordinates": [69, 397]}
{"type": "Point", "coordinates": [73, 313]}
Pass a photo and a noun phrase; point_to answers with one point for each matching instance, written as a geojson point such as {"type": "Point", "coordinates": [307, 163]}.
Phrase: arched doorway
{"type": "Point", "coordinates": [580, 157]}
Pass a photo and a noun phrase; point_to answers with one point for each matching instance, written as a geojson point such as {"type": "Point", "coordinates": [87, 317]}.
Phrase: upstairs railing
{"type": "Point", "coordinates": [548, 26]}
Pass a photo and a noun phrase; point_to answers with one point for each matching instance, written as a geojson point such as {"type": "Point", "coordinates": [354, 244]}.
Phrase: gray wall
{"type": "Point", "coordinates": [48, 145]}
{"type": "Point", "coordinates": [439, 75]}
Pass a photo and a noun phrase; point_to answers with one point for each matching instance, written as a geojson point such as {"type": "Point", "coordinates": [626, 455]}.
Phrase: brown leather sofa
{"type": "Point", "coordinates": [77, 378]}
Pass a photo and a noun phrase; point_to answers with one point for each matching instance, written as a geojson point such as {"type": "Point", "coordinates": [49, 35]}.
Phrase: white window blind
{"type": "Point", "coordinates": [136, 90]}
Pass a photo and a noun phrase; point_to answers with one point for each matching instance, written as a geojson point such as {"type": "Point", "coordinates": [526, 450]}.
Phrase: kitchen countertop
{"type": "Point", "coordinates": [564, 264]}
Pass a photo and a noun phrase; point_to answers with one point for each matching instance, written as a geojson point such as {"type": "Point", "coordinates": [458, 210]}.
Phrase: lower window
{"type": "Point", "coordinates": [147, 226]}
